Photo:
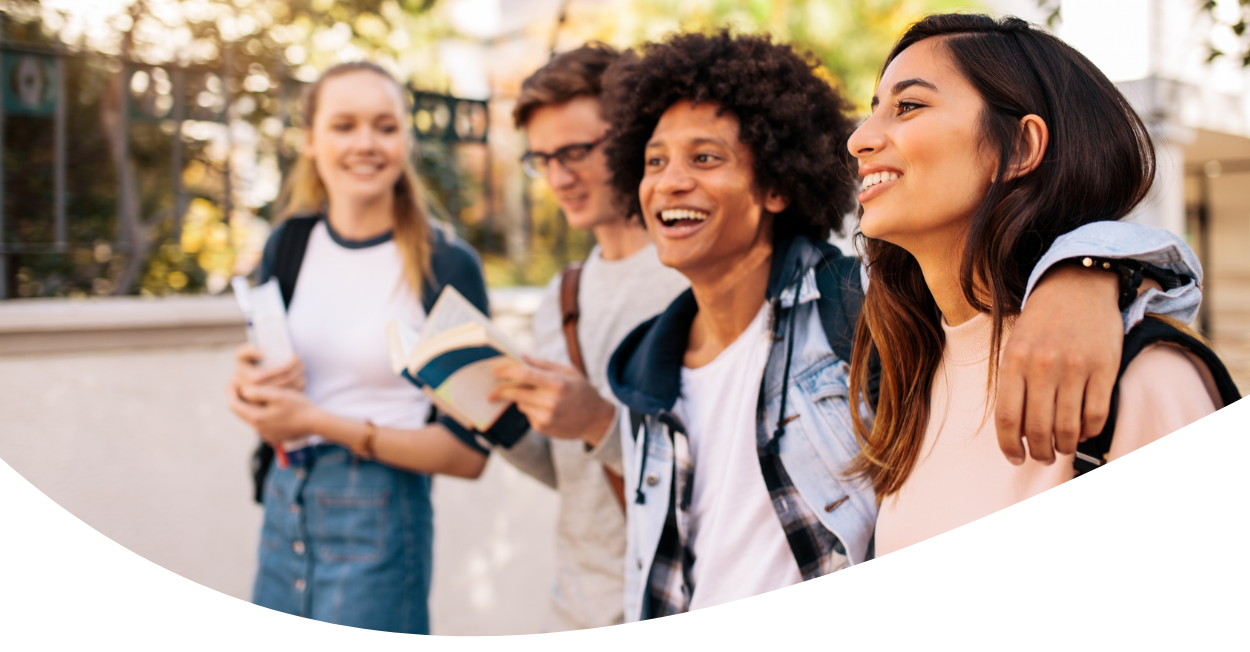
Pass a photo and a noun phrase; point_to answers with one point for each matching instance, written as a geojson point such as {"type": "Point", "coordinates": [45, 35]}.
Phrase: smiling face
{"type": "Point", "coordinates": [919, 153]}
{"type": "Point", "coordinates": [698, 192]}
{"type": "Point", "coordinates": [584, 193]}
{"type": "Point", "coordinates": [357, 140]}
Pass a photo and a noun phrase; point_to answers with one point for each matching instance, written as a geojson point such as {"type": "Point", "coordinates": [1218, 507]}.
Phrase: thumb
{"type": "Point", "coordinates": [547, 365]}
{"type": "Point", "coordinates": [259, 393]}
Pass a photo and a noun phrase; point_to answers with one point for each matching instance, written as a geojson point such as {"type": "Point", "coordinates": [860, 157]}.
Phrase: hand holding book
{"type": "Point", "coordinates": [453, 360]}
{"type": "Point", "coordinates": [557, 399]}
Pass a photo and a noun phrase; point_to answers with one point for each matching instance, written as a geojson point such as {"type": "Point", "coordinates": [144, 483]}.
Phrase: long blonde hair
{"type": "Point", "coordinates": [305, 194]}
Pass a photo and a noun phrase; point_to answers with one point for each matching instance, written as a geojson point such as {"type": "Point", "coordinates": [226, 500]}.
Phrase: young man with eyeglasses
{"type": "Point", "coordinates": [585, 313]}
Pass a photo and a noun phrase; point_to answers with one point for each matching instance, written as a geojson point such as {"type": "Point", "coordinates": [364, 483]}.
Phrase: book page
{"type": "Point", "coordinates": [401, 340]}
{"type": "Point", "coordinates": [467, 389]}
{"type": "Point", "coordinates": [446, 407]}
{"type": "Point", "coordinates": [452, 310]}
{"type": "Point", "coordinates": [269, 324]}
{"type": "Point", "coordinates": [464, 335]}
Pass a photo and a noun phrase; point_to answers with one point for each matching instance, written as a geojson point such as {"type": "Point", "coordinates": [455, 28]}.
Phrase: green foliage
{"type": "Point", "coordinates": [849, 38]}
{"type": "Point", "coordinates": [1233, 19]}
{"type": "Point", "coordinates": [243, 50]}
{"type": "Point", "coordinates": [1053, 12]}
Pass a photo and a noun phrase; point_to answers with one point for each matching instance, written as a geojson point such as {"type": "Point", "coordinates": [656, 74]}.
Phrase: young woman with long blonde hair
{"type": "Point", "coordinates": [348, 527]}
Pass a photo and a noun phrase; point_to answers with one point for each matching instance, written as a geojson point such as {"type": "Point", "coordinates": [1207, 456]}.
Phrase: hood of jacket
{"type": "Point", "coordinates": [645, 370]}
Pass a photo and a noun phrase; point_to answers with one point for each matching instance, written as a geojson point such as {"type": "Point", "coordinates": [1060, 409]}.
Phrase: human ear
{"type": "Point", "coordinates": [1031, 147]}
{"type": "Point", "coordinates": [774, 203]}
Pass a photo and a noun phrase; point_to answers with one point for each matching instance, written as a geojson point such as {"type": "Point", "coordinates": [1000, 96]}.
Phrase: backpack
{"type": "Point", "coordinates": [570, 282]}
{"type": "Point", "coordinates": [841, 298]}
{"type": "Point", "coordinates": [1092, 453]}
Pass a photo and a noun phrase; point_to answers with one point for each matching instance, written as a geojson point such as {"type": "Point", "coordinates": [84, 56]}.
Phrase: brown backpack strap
{"type": "Point", "coordinates": [570, 281]}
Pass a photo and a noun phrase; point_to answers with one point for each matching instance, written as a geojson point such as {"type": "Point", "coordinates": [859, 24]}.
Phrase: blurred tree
{"type": "Point", "coordinates": [850, 38]}
{"type": "Point", "coordinates": [1229, 36]}
{"type": "Point", "coordinates": [239, 54]}
{"type": "Point", "coordinates": [1053, 10]}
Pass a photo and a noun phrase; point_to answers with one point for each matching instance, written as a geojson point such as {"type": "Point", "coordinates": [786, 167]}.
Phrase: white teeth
{"type": "Point", "coordinates": [878, 177]}
{"type": "Point", "coordinates": [363, 169]}
{"type": "Point", "coordinates": [682, 214]}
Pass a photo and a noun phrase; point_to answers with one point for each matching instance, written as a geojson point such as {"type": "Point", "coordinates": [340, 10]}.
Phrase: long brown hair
{"type": "Point", "coordinates": [1098, 165]}
{"type": "Point", "coordinates": [305, 194]}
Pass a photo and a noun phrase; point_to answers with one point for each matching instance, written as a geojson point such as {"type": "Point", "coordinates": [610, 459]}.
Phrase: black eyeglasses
{"type": "Point", "coordinates": [572, 157]}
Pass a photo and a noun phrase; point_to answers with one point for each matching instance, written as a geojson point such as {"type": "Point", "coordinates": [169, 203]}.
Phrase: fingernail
{"type": "Point", "coordinates": [1016, 460]}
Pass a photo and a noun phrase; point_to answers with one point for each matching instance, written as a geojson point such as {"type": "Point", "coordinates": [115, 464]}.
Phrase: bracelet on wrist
{"type": "Point", "coordinates": [364, 450]}
{"type": "Point", "coordinates": [1129, 272]}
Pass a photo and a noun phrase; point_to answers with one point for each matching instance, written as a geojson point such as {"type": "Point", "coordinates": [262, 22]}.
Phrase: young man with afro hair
{"type": "Point", "coordinates": [737, 431]}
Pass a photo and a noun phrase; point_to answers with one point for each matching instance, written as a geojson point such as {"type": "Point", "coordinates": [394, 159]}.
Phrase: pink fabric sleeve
{"type": "Point", "coordinates": [1163, 390]}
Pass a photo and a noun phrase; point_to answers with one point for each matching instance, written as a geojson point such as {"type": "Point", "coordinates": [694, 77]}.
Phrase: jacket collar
{"type": "Point", "coordinates": [645, 370]}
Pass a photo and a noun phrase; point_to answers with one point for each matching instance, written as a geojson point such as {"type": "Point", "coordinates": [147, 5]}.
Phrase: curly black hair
{"type": "Point", "coordinates": [794, 122]}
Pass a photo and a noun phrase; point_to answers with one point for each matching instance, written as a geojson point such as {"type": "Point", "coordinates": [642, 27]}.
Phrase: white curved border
{"type": "Point", "coordinates": [1149, 552]}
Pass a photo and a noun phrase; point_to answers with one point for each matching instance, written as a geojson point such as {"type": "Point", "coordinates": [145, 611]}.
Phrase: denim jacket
{"type": "Point", "coordinates": [805, 373]}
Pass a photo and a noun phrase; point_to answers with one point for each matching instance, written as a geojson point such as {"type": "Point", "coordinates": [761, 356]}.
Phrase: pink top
{"type": "Point", "coordinates": [962, 475]}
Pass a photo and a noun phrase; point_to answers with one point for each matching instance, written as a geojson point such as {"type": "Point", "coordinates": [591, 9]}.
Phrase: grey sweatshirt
{"type": "Point", "coordinates": [613, 299]}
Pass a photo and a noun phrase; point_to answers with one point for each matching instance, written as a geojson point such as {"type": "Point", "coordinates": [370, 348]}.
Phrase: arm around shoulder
{"type": "Point", "coordinates": [1154, 247]}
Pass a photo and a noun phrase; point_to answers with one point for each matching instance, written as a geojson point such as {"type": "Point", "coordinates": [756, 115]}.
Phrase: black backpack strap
{"type": "Point", "coordinates": [841, 299]}
{"type": "Point", "coordinates": [291, 244]}
{"type": "Point", "coordinates": [1092, 453]}
{"type": "Point", "coordinates": [284, 255]}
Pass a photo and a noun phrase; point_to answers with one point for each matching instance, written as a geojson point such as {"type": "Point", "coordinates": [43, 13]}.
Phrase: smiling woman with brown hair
{"type": "Point", "coordinates": [987, 141]}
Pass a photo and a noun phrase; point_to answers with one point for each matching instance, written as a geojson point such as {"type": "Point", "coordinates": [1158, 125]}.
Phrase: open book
{"type": "Point", "coordinates": [453, 359]}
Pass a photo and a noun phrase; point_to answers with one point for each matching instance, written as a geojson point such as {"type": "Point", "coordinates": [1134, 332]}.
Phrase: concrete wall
{"type": "Point", "coordinates": [115, 409]}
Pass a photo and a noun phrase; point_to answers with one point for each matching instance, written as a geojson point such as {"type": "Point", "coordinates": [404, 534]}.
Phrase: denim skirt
{"type": "Point", "coordinates": [347, 541]}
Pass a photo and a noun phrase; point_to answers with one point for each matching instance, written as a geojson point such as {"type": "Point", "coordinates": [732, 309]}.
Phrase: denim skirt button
{"type": "Point", "coordinates": [294, 508]}
{"type": "Point", "coordinates": [299, 474]}
{"type": "Point", "coordinates": [299, 584]}
{"type": "Point", "coordinates": [298, 547]}
{"type": "Point", "coordinates": [652, 479]}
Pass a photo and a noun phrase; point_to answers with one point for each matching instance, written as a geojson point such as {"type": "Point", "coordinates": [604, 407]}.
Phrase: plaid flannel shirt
{"type": "Point", "coordinates": [817, 551]}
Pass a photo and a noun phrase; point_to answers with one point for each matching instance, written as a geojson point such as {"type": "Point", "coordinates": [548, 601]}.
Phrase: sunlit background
{"type": "Point", "coordinates": [142, 147]}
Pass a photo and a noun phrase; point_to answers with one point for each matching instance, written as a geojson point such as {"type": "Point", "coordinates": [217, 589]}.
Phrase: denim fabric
{"type": "Point", "coordinates": [1145, 244]}
{"type": "Point", "coordinates": [347, 541]}
{"type": "Point", "coordinates": [817, 448]}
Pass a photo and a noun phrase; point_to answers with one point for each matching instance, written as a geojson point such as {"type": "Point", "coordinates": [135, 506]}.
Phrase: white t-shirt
{"type": "Point", "coordinates": [738, 545]}
{"type": "Point", "coordinates": [345, 295]}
